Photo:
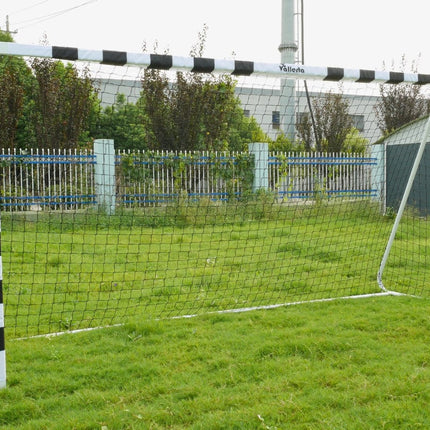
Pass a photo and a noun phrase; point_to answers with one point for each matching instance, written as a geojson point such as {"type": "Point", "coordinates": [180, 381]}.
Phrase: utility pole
{"type": "Point", "coordinates": [8, 30]}
{"type": "Point", "coordinates": [288, 49]}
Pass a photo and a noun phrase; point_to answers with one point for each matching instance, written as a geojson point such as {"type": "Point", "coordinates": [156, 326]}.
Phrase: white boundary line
{"type": "Point", "coordinates": [227, 311]}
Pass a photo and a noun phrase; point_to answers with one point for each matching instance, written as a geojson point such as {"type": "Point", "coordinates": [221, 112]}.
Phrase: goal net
{"type": "Point", "coordinates": [155, 186]}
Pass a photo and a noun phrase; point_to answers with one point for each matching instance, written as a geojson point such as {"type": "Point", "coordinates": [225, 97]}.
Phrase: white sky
{"type": "Point", "coordinates": [343, 33]}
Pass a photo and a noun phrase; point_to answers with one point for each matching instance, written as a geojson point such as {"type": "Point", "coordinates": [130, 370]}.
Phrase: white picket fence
{"type": "Point", "coordinates": [64, 179]}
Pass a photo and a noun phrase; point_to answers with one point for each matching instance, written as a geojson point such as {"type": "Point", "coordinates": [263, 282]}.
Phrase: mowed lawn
{"type": "Point", "coordinates": [347, 364]}
{"type": "Point", "coordinates": [344, 364]}
{"type": "Point", "coordinates": [70, 271]}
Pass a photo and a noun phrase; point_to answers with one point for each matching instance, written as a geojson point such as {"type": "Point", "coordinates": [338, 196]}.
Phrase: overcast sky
{"type": "Point", "coordinates": [343, 33]}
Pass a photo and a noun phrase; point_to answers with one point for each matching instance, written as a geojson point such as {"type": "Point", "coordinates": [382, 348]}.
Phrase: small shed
{"type": "Point", "coordinates": [396, 154]}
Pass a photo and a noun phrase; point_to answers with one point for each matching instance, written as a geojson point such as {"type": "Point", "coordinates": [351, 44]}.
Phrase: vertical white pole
{"type": "Point", "coordinates": [288, 48]}
{"type": "Point", "coordinates": [424, 139]}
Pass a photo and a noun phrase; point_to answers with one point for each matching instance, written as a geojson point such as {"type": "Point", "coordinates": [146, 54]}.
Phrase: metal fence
{"type": "Point", "coordinates": [42, 179]}
{"type": "Point", "coordinates": [64, 179]}
{"type": "Point", "coordinates": [317, 175]}
{"type": "Point", "coordinates": [150, 178]}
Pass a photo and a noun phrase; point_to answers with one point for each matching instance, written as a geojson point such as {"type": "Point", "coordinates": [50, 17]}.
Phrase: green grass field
{"type": "Point", "coordinates": [74, 270]}
{"type": "Point", "coordinates": [66, 271]}
{"type": "Point", "coordinates": [346, 364]}
{"type": "Point", "coordinates": [357, 364]}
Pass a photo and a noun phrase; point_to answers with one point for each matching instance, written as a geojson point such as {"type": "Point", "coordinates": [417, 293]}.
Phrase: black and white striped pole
{"type": "Point", "coordinates": [211, 65]}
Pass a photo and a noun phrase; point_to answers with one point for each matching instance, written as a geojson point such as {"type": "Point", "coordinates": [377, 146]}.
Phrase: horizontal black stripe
{"type": "Point", "coordinates": [423, 79]}
{"type": "Point", "coordinates": [243, 68]}
{"type": "Point", "coordinates": [396, 78]}
{"type": "Point", "coordinates": [203, 65]}
{"type": "Point", "coordinates": [2, 339]}
{"type": "Point", "coordinates": [115, 58]}
{"type": "Point", "coordinates": [161, 62]}
{"type": "Point", "coordinates": [366, 76]}
{"type": "Point", "coordinates": [63, 53]}
{"type": "Point", "coordinates": [334, 74]}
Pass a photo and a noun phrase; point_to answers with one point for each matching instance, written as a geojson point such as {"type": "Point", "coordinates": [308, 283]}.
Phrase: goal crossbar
{"type": "Point", "coordinates": [211, 65]}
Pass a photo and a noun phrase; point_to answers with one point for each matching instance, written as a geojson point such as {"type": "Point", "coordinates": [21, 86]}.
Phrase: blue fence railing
{"type": "Point", "coordinates": [42, 180]}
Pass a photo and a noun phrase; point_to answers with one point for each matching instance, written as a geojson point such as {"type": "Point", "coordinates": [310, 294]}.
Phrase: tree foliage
{"type": "Point", "coordinates": [333, 122]}
{"type": "Point", "coordinates": [122, 122]}
{"type": "Point", "coordinates": [283, 143]}
{"type": "Point", "coordinates": [44, 103]}
{"type": "Point", "coordinates": [195, 112]}
{"type": "Point", "coordinates": [14, 80]}
{"type": "Point", "coordinates": [332, 129]}
{"type": "Point", "coordinates": [11, 103]}
{"type": "Point", "coordinates": [63, 102]}
{"type": "Point", "coordinates": [400, 104]}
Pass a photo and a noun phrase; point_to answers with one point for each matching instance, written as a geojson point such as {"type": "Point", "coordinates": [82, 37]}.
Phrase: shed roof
{"type": "Point", "coordinates": [408, 133]}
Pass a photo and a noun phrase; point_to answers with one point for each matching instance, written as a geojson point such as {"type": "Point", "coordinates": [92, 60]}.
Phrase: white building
{"type": "Point", "coordinates": [263, 103]}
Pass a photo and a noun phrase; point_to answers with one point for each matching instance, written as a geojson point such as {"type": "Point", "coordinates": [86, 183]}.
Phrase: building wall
{"type": "Point", "coordinates": [262, 104]}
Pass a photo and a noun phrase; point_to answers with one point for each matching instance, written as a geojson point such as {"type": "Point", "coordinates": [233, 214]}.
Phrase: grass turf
{"type": "Point", "coordinates": [357, 364]}
{"type": "Point", "coordinates": [339, 365]}
{"type": "Point", "coordinates": [73, 270]}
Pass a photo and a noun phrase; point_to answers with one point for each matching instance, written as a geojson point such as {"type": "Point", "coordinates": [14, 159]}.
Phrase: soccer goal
{"type": "Point", "coordinates": [154, 186]}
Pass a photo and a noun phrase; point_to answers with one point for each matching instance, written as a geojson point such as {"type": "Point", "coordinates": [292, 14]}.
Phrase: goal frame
{"type": "Point", "coordinates": [235, 68]}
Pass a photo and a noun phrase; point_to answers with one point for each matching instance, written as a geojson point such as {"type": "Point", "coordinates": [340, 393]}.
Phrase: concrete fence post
{"type": "Point", "coordinates": [378, 174]}
{"type": "Point", "coordinates": [261, 168]}
{"type": "Point", "coordinates": [105, 175]}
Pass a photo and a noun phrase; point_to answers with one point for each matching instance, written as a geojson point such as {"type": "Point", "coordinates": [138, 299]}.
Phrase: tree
{"type": "Point", "coordinates": [333, 123]}
{"type": "Point", "coordinates": [11, 103]}
{"type": "Point", "coordinates": [64, 101]}
{"type": "Point", "coordinates": [399, 105]}
{"type": "Point", "coordinates": [46, 104]}
{"type": "Point", "coordinates": [15, 79]}
{"type": "Point", "coordinates": [243, 130]}
{"type": "Point", "coordinates": [196, 112]}
{"type": "Point", "coordinates": [354, 143]}
{"type": "Point", "coordinates": [305, 132]}
{"type": "Point", "coordinates": [157, 120]}
{"type": "Point", "coordinates": [123, 123]}
{"type": "Point", "coordinates": [193, 113]}
{"type": "Point", "coordinates": [283, 143]}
